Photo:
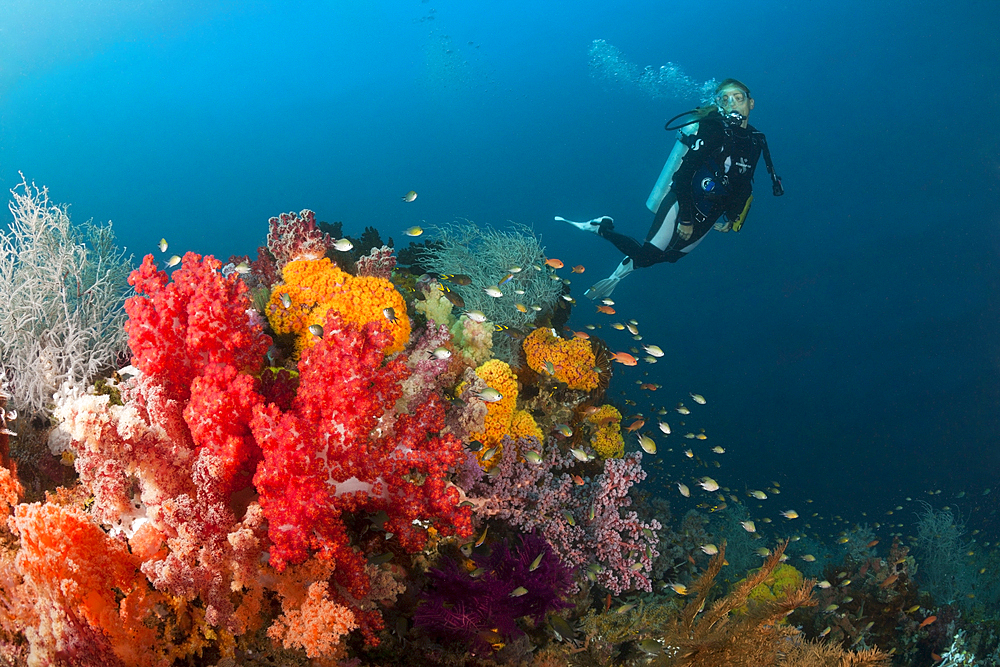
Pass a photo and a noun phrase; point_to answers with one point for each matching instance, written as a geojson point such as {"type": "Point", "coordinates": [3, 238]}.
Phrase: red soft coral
{"type": "Point", "coordinates": [218, 414]}
{"type": "Point", "coordinates": [177, 328]}
{"type": "Point", "coordinates": [337, 451]}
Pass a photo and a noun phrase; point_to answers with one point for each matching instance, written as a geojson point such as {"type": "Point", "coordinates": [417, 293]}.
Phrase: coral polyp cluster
{"type": "Point", "coordinates": [571, 361]}
{"type": "Point", "coordinates": [606, 438]}
{"type": "Point", "coordinates": [311, 287]}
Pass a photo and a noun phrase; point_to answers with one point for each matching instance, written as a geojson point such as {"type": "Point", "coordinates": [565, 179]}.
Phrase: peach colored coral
{"type": "Point", "coordinates": [572, 361]}
{"type": "Point", "coordinates": [316, 626]}
{"type": "Point", "coordinates": [10, 491]}
{"type": "Point", "coordinates": [315, 286]}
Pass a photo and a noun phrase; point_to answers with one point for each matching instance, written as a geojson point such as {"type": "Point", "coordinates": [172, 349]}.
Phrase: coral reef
{"type": "Point", "coordinates": [305, 489]}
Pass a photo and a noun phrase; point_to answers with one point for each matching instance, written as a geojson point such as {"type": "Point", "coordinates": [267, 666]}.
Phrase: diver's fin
{"type": "Point", "coordinates": [604, 288]}
{"type": "Point", "coordinates": [593, 226]}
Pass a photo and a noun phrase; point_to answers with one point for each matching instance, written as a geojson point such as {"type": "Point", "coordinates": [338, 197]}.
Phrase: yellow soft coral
{"type": "Point", "coordinates": [782, 581]}
{"type": "Point", "coordinates": [498, 375]}
{"type": "Point", "coordinates": [522, 425]}
{"type": "Point", "coordinates": [314, 286]}
{"type": "Point", "coordinates": [607, 436]}
{"type": "Point", "coordinates": [571, 361]}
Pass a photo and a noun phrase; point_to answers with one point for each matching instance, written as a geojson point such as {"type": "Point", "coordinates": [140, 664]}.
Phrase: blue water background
{"type": "Point", "coordinates": [846, 339]}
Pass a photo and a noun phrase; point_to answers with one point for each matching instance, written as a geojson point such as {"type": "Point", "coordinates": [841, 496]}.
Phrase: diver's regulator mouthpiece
{"type": "Point", "coordinates": [732, 118]}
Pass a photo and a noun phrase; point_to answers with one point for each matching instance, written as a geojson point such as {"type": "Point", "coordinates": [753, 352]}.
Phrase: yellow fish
{"type": "Point", "coordinates": [680, 589]}
{"type": "Point", "coordinates": [409, 196]}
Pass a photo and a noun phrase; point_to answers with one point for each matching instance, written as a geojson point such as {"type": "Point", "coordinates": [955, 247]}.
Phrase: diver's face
{"type": "Point", "coordinates": [732, 98]}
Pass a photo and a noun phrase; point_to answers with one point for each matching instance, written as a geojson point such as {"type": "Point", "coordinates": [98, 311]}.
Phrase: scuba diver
{"type": "Point", "coordinates": [709, 174]}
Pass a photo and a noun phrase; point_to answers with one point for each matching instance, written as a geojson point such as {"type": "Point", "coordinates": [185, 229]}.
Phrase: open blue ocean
{"type": "Point", "coordinates": [845, 340]}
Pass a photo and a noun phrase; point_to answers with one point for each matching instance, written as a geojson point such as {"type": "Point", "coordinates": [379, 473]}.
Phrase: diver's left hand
{"type": "Point", "coordinates": [723, 226]}
{"type": "Point", "coordinates": [684, 230]}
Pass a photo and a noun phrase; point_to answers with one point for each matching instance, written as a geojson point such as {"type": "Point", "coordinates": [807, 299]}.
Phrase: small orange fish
{"type": "Point", "coordinates": [578, 480]}
{"type": "Point", "coordinates": [872, 543]}
{"type": "Point", "coordinates": [581, 334]}
{"type": "Point", "coordinates": [607, 310]}
{"type": "Point", "coordinates": [935, 657]}
{"type": "Point", "coordinates": [624, 358]}
{"type": "Point", "coordinates": [636, 425]}
{"type": "Point", "coordinates": [889, 581]}
{"type": "Point", "coordinates": [650, 387]}
{"type": "Point", "coordinates": [927, 621]}
{"type": "Point", "coordinates": [578, 268]}
{"type": "Point", "coordinates": [554, 263]}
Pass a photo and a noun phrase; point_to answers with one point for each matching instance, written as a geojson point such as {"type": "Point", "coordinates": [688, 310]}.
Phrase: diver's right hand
{"type": "Point", "coordinates": [684, 230]}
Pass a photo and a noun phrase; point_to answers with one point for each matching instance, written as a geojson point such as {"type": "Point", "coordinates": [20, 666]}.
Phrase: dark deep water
{"type": "Point", "coordinates": [845, 339]}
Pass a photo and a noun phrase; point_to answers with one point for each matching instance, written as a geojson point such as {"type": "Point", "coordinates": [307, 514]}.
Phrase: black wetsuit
{"type": "Point", "coordinates": [715, 177]}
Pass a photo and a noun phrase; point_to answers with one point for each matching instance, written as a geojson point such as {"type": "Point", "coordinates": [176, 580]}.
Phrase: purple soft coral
{"type": "Point", "coordinates": [470, 610]}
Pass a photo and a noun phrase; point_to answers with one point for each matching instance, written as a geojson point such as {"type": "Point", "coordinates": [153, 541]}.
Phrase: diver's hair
{"type": "Point", "coordinates": [701, 113]}
{"type": "Point", "coordinates": [733, 82]}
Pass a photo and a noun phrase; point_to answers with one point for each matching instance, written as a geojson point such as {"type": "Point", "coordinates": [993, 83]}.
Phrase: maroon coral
{"type": "Point", "coordinates": [295, 236]}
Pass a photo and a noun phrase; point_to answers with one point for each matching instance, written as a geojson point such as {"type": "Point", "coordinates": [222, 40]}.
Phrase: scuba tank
{"type": "Point", "coordinates": [663, 183]}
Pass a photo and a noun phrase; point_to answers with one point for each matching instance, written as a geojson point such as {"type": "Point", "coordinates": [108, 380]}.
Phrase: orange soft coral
{"type": "Point", "coordinates": [314, 287]}
{"type": "Point", "coordinates": [607, 437]}
{"type": "Point", "coordinates": [10, 490]}
{"type": "Point", "coordinates": [74, 572]}
{"type": "Point", "coordinates": [571, 361]}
